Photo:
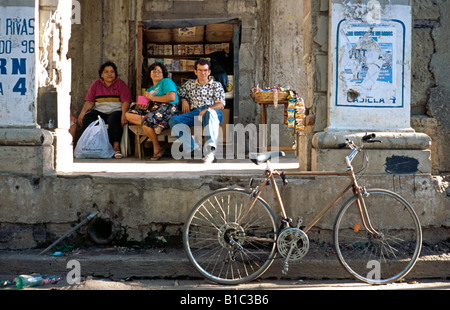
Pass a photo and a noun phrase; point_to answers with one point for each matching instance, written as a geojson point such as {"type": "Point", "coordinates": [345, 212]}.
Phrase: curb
{"type": "Point", "coordinates": [173, 264]}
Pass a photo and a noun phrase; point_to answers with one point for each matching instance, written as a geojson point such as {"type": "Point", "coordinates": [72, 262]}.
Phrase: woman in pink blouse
{"type": "Point", "coordinates": [108, 97]}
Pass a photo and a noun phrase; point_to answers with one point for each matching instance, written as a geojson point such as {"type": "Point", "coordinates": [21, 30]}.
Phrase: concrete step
{"type": "Point", "coordinates": [171, 263]}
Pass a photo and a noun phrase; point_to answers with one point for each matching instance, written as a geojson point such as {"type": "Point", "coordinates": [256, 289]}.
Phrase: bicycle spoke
{"type": "Point", "coordinates": [224, 247]}
{"type": "Point", "coordinates": [393, 251]}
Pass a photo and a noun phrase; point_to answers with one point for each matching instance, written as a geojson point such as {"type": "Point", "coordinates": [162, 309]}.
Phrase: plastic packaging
{"type": "Point", "coordinates": [275, 97]}
{"type": "Point", "coordinates": [4, 283]}
{"type": "Point", "coordinates": [142, 102]}
{"type": "Point", "coordinates": [34, 280]}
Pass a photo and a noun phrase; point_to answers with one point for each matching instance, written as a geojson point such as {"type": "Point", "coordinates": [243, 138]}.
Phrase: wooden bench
{"type": "Point", "coordinates": [140, 139]}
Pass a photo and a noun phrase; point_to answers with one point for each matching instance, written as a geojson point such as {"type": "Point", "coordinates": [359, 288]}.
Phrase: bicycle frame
{"type": "Point", "coordinates": [233, 235]}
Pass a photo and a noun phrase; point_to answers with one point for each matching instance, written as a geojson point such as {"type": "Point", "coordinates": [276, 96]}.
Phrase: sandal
{"type": "Point", "coordinates": [158, 155]}
{"type": "Point", "coordinates": [117, 154]}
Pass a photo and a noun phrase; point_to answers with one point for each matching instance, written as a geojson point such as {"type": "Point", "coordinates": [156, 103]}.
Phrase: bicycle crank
{"type": "Point", "coordinates": [293, 244]}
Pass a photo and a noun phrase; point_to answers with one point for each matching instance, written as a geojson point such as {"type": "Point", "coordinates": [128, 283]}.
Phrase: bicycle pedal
{"type": "Point", "coordinates": [285, 269]}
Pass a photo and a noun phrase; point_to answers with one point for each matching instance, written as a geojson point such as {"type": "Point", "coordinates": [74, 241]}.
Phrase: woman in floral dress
{"type": "Point", "coordinates": [163, 105]}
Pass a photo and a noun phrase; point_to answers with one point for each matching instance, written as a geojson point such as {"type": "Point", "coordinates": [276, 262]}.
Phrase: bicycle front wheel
{"type": "Point", "coordinates": [228, 240]}
{"type": "Point", "coordinates": [386, 255]}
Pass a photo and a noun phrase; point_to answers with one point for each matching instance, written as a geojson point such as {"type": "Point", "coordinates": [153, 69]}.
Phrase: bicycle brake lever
{"type": "Point", "coordinates": [283, 177]}
{"type": "Point", "coordinates": [342, 145]}
{"type": "Point", "coordinates": [250, 184]}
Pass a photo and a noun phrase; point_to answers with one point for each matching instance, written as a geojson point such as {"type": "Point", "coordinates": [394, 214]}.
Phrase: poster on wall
{"type": "Point", "coordinates": [17, 65]}
{"type": "Point", "coordinates": [370, 65]}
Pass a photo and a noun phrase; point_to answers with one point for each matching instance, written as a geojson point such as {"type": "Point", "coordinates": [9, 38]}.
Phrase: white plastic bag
{"type": "Point", "coordinates": [94, 142]}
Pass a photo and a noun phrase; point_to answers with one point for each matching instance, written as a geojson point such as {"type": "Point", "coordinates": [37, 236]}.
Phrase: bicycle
{"type": "Point", "coordinates": [232, 235]}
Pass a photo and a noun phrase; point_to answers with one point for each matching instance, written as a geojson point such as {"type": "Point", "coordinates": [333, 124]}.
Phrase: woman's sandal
{"type": "Point", "coordinates": [117, 154]}
{"type": "Point", "coordinates": [158, 155]}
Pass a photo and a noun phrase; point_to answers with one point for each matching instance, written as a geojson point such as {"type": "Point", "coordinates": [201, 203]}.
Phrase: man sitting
{"type": "Point", "coordinates": [202, 99]}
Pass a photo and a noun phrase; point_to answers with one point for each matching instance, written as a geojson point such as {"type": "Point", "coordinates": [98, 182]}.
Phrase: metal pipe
{"type": "Point", "coordinates": [69, 232]}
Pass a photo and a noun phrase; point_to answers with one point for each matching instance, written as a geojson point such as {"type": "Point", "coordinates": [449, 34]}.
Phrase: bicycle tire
{"type": "Point", "coordinates": [383, 259]}
{"type": "Point", "coordinates": [211, 225]}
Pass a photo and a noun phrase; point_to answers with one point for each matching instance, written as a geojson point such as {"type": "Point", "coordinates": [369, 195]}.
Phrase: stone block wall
{"type": "Point", "coordinates": [430, 82]}
{"type": "Point", "coordinates": [430, 77]}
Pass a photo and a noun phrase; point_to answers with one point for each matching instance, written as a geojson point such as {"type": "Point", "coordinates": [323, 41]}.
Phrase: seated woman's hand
{"type": "Point", "coordinates": [142, 106]}
{"type": "Point", "coordinates": [150, 95]}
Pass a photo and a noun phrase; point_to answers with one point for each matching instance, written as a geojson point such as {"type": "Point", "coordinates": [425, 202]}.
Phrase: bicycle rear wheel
{"type": "Point", "coordinates": [383, 258]}
{"type": "Point", "coordinates": [226, 244]}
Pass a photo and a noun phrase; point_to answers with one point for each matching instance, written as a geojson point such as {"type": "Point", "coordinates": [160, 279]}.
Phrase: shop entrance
{"type": "Point", "coordinates": [178, 44]}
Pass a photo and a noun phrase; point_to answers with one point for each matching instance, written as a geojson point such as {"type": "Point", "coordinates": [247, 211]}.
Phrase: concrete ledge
{"type": "Point", "coordinates": [389, 140]}
{"type": "Point", "coordinates": [22, 137]}
{"type": "Point", "coordinates": [392, 161]}
{"type": "Point", "coordinates": [26, 151]}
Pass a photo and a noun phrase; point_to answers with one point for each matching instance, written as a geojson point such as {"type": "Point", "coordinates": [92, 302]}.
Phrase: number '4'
{"type": "Point", "coordinates": [20, 87]}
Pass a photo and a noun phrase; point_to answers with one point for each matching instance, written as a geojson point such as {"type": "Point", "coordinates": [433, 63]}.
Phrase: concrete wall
{"type": "Point", "coordinates": [40, 210]}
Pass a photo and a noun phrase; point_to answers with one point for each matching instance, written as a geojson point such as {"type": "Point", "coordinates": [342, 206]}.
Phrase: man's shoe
{"type": "Point", "coordinates": [209, 158]}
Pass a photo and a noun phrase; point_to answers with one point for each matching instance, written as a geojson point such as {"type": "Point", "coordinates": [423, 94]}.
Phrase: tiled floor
{"type": "Point", "coordinates": [169, 165]}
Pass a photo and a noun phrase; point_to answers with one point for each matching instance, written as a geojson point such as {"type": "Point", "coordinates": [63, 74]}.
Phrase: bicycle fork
{"type": "Point", "coordinates": [363, 213]}
{"type": "Point", "coordinates": [360, 192]}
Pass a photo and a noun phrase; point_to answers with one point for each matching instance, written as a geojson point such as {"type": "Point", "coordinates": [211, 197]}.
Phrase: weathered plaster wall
{"type": "Point", "coordinates": [46, 208]}
{"type": "Point", "coordinates": [86, 51]}
{"type": "Point", "coordinates": [431, 78]}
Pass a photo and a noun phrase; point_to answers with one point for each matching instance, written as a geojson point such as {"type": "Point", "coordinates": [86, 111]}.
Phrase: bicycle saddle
{"type": "Point", "coordinates": [260, 158]}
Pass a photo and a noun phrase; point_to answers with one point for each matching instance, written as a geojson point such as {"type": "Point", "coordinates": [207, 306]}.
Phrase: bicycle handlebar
{"type": "Point", "coordinates": [368, 138]}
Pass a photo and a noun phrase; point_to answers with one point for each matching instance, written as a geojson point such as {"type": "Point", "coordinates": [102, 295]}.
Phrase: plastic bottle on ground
{"type": "Point", "coordinates": [34, 280]}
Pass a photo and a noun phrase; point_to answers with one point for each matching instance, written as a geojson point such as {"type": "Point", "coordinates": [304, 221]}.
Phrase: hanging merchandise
{"type": "Point", "coordinates": [275, 96]}
{"type": "Point", "coordinates": [294, 106]}
{"type": "Point", "coordinates": [295, 113]}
